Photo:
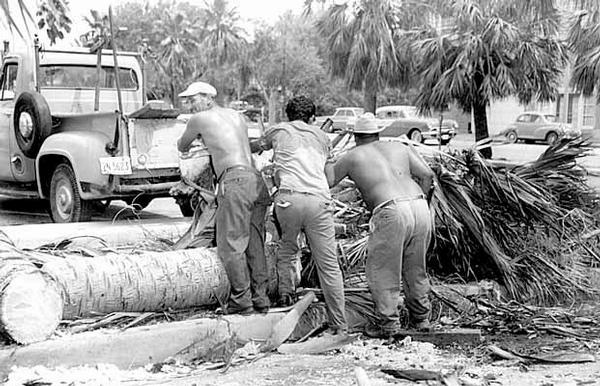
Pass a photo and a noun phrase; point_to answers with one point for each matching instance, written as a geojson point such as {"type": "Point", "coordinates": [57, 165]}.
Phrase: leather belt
{"type": "Point", "coordinates": [399, 199]}
{"type": "Point", "coordinates": [236, 167]}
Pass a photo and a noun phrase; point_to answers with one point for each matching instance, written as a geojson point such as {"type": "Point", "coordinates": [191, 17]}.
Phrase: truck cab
{"type": "Point", "coordinates": [66, 137]}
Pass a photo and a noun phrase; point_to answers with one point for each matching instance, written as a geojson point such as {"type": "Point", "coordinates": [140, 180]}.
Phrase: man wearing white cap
{"type": "Point", "coordinates": [242, 198]}
{"type": "Point", "coordinates": [396, 184]}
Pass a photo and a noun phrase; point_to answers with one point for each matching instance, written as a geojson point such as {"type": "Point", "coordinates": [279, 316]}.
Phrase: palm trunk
{"type": "Point", "coordinates": [370, 95]}
{"type": "Point", "coordinates": [30, 303]}
{"type": "Point", "coordinates": [150, 281]}
{"type": "Point", "coordinates": [481, 127]}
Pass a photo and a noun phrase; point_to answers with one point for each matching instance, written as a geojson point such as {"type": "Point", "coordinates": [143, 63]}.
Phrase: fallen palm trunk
{"type": "Point", "coordinates": [114, 234]}
{"type": "Point", "coordinates": [139, 346]}
{"type": "Point", "coordinates": [30, 303]}
{"type": "Point", "coordinates": [149, 281]}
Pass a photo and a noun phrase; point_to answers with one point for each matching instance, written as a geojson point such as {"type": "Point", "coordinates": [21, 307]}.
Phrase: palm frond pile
{"type": "Point", "coordinates": [522, 225]}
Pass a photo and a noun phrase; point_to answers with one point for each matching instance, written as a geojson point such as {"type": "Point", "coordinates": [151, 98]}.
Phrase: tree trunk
{"type": "Point", "coordinates": [150, 281]}
{"type": "Point", "coordinates": [370, 95]}
{"type": "Point", "coordinates": [273, 107]}
{"type": "Point", "coordinates": [481, 127]}
{"type": "Point", "coordinates": [30, 302]}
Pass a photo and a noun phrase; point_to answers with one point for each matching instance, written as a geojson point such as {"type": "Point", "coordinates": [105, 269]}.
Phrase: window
{"type": "Point", "coordinates": [81, 76]}
{"type": "Point", "coordinates": [9, 80]}
{"type": "Point", "coordinates": [589, 105]}
{"type": "Point", "coordinates": [572, 107]}
{"type": "Point", "coordinates": [523, 118]}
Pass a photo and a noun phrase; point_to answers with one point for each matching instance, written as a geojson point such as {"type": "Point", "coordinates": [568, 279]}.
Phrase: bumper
{"type": "Point", "coordinates": [446, 134]}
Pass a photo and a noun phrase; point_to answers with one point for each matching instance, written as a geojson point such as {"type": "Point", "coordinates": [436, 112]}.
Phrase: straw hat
{"type": "Point", "coordinates": [367, 124]}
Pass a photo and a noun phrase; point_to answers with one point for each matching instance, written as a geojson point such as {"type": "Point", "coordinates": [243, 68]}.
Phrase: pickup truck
{"type": "Point", "coordinates": [54, 145]}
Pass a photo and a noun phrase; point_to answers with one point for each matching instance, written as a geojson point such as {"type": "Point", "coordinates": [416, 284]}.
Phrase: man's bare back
{"type": "Point", "coordinates": [225, 135]}
{"type": "Point", "coordinates": [383, 171]}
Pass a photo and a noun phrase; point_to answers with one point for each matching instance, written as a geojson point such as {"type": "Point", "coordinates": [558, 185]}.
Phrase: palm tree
{"type": "Point", "coordinates": [362, 41]}
{"type": "Point", "coordinates": [584, 42]}
{"type": "Point", "coordinates": [491, 50]}
{"type": "Point", "coordinates": [97, 38]}
{"type": "Point", "coordinates": [223, 40]}
{"type": "Point", "coordinates": [178, 51]}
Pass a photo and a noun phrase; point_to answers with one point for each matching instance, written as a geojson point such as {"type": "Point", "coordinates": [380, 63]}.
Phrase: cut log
{"type": "Point", "coordinates": [139, 346]}
{"type": "Point", "coordinates": [115, 234]}
{"type": "Point", "coordinates": [31, 305]}
{"type": "Point", "coordinates": [149, 281]}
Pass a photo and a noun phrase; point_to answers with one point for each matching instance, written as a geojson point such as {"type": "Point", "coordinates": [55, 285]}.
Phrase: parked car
{"type": "Point", "coordinates": [54, 145]}
{"type": "Point", "coordinates": [343, 117]}
{"type": "Point", "coordinates": [404, 120]}
{"type": "Point", "coordinates": [539, 126]}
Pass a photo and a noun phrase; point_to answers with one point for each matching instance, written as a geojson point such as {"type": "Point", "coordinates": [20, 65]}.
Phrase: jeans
{"type": "Point", "coordinates": [242, 202]}
{"type": "Point", "coordinates": [400, 235]}
{"type": "Point", "coordinates": [314, 215]}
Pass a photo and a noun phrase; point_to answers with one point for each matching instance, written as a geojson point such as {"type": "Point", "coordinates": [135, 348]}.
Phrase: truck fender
{"type": "Point", "coordinates": [81, 149]}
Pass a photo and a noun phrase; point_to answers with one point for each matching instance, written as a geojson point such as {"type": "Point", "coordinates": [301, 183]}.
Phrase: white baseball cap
{"type": "Point", "coordinates": [199, 88]}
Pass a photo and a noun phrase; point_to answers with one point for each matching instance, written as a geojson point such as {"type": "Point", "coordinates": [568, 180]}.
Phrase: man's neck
{"type": "Point", "coordinates": [363, 139]}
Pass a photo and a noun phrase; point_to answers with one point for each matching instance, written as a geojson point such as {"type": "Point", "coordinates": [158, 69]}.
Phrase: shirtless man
{"type": "Point", "coordinates": [242, 198]}
{"type": "Point", "coordinates": [394, 182]}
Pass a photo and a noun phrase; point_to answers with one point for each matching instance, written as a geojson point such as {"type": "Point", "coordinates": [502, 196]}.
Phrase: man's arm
{"type": "Point", "coordinates": [263, 143]}
{"type": "Point", "coordinates": [420, 171]}
{"type": "Point", "coordinates": [337, 170]}
{"type": "Point", "coordinates": [191, 133]}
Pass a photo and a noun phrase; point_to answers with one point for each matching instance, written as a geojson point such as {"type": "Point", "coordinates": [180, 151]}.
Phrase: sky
{"type": "Point", "coordinates": [266, 10]}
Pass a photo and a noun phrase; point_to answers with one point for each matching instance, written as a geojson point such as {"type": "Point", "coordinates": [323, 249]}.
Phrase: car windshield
{"type": "Point", "coordinates": [550, 117]}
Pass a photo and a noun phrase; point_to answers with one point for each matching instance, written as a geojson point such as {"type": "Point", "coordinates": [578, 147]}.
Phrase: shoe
{"type": "Point", "coordinates": [286, 300]}
{"type": "Point", "coordinates": [378, 332]}
{"type": "Point", "coordinates": [239, 311]}
{"type": "Point", "coordinates": [421, 325]}
{"type": "Point", "coordinates": [262, 309]}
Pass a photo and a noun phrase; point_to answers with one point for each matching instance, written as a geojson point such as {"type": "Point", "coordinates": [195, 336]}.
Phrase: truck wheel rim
{"type": "Point", "coordinates": [416, 136]}
{"type": "Point", "coordinates": [25, 125]}
{"type": "Point", "coordinates": [64, 199]}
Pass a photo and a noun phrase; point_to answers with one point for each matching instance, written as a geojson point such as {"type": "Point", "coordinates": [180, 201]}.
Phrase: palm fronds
{"type": "Point", "coordinates": [524, 225]}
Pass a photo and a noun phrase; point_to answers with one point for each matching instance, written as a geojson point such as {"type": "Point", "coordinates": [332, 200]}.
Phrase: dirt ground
{"type": "Point", "coordinates": [467, 366]}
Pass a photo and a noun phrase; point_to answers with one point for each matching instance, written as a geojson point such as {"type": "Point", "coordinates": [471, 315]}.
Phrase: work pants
{"type": "Point", "coordinates": [400, 234]}
{"type": "Point", "coordinates": [312, 214]}
{"type": "Point", "coordinates": [242, 201]}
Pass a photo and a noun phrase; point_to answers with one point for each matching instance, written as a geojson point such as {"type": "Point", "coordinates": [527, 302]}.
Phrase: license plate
{"type": "Point", "coordinates": [445, 136]}
{"type": "Point", "coordinates": [120, 166]}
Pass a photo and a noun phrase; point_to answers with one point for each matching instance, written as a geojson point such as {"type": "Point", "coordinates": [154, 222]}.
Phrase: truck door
{"type": "Point", "coordinates": [8, 78]}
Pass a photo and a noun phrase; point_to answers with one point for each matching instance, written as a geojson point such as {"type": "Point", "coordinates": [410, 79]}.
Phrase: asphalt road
{"type": "Point", "coordinates": [21, 211]}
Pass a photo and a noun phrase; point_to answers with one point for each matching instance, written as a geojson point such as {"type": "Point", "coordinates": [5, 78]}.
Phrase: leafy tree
{"type": "Point", "coordinates": [489, 50]}
{"type": "Point", "coordinates": [52, 15]}
{"type": "Point", "coordinates": [284, 61]}
{"type": "Point", "coordinates": [169, 34]}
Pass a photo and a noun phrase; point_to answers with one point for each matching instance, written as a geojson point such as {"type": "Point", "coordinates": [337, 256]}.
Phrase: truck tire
{"type": "Point", "coordinates": [66, 204]}
{"type": "Point", "coordinates": [32, 122]}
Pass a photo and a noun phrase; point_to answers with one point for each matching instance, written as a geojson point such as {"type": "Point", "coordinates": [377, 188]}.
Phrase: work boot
{"type": "Point", "coordinates": [286, 300]}
{"type": "Point", "coordinates": [262, 309]}
{"type": "Point", "coordinates": [379, 332]}
{"type": "Point", "coordinates": [421, 325]}
{"type": "Point", "coordinates": [229, 310]}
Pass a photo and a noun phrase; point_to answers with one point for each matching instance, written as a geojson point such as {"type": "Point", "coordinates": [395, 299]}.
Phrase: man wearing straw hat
{"type": "Point", "coordinates": [396, 184]}
{"type": "Point", "coordinates": [242, 198]}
